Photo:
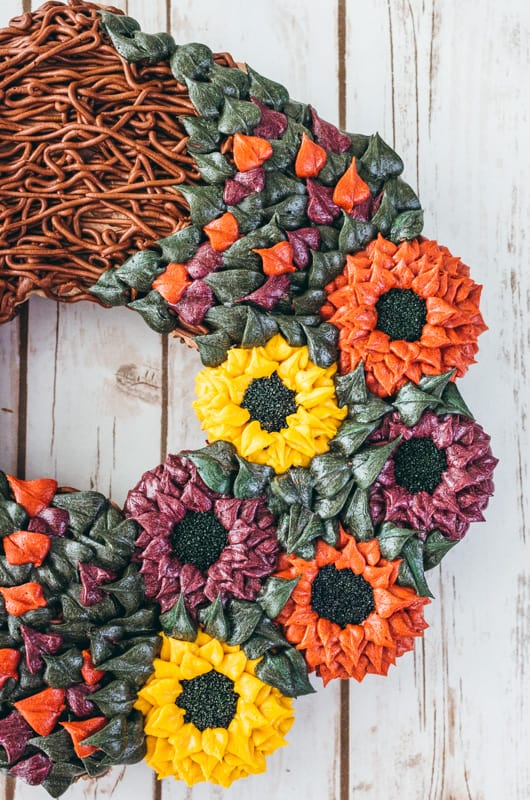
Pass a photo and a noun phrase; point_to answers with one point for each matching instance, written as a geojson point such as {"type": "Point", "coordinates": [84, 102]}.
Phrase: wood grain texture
{"type": "Point", "coordinates": [447, 83]}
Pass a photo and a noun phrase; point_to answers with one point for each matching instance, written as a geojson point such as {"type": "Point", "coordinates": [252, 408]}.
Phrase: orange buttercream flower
{"type": "Point", "coordinates": [347, 613]}
{"type": "Point", "coordinates": [405, 310]}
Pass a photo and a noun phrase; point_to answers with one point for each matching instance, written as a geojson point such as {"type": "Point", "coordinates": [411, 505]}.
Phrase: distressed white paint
{"type": "Point", "coordinates": [447, 82]}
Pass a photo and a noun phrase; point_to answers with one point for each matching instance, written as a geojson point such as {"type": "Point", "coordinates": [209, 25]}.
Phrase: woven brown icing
{"type": "Point", "coordinates": [91, 154]}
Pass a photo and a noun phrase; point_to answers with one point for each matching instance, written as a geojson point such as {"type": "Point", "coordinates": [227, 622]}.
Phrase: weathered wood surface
{"type": "Point", "coordinates": [94, 398]}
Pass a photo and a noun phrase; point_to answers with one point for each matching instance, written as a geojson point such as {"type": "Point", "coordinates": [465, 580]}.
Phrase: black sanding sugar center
{"type": "Point", "coordinates": [341, 596]}
{"type": "Point", "coordinates": [209, 700]}
{"type": "Point", "coordinates": [199, 539]}
{"type": "Point", "coordinates": [269, 401]}
{"type": "Point", "coordinates": [419, 465]}
{"type": "Point", "coordinates": [401, 314]}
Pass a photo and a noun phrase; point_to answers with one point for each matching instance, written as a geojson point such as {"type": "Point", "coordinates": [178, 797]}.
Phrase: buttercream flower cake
{"type": "Point", "coordinates": [341, 463]}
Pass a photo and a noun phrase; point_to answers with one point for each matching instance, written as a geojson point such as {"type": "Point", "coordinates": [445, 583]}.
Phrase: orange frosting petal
{"type": "Point", "coordinates": [34, 495]}
{"type": "Point", "coordinates": [250, 151]}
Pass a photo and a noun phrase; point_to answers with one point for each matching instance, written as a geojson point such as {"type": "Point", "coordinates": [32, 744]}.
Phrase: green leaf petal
{"type": "Point", "coordinates": [334, 168]}
{"type": "Point", "coordinates": [435, 384]}
{"type": "Point", "coordinates": [355, 234]}
{"type": "Point", "coordinates": [329, 507]}
{"type": "Point", "coordinates": [356, 516]}
{"type": "Point", "coordinates": [412, 552]}
{"type": "Point", "coordinates": [193, 61]}
{"type": "Point", "coordinates": [213, 348]}
{"type": "Point", "coordinates": [233, 82]}
{"type": "Point", "coordinates": [214, 620]}
{"type": "Point", "coordinates": [252, 479]}
{"type": "Point", "coordinates": [215, 464]}
{"type": "Point", "coordinates": [203, 133]}
{"type": "Point", "coordinates": [406, 226]}
{"type": "Point", "coordinates": [259, 329]}
{"type": "Point", "coordinates": [371, 411]}
{"type": "Point", "coordinates": [351, 387]}
{"type": "Point", "coordinates": [322, 343]}
{"type": "Point", "coordinates": [110, 289]}
{"type": "Point", "coordinates": [286, 671]}
{"type": "Point", "coordinates": [330, 473]}
{"type": "Point", "coordinates": [278, 186]}
{"type": "Point", "coordinates": [453, 402]}
{"type": "Point", "coordinates": [116, 698]}
{"type": "Point", "coordinates": [411, 402]}
{"type": "Point", "coordinates": [436, 546]}
{"type": "Point", "coordinates": [367, 464]}
{"type": "Point", "coordinates": [384, 217]}
{"type": "Point", "coordinates": [154, 310]}
{"type": "Point", "coordinates": [136, 663]}
{"type": "Point", "coordinates": [214, 167]}
{"type": "Point", "coordinates": [290, 213]}
{"type": "Point", "coordinates": [294, 487]}
{"type": "Point", "coordinates": [229, 319]}
{"type": "Point", "coordinates": [351, 436]}
{"type": "Point", "coordinates": [141, 269]}
{"type": "Point", "coordinates": [83, 508]}
{"type": "Point", "coordinates": [177, 623]}
{"type": "Point", "coordinates": [128, 590]}
{"type": "Point", "coordinates": [205, 202]}
{"type": "Point", "coordinates": [274, 594]}
{"type": "Point", "coordinates": [232, 284]}
{"type": "Point", "coordinates": [63, 670]}
{"type": "Point", "coordinates": [122, 740]}
{"type": "Point", "coordinates": [325, 267]}
{"type": "Point", "coordinates": [249, 213]}
{"type": "Point", "coordinates": [269, 92]}
{"type": "Point", "coordinates": [238, 116]}
{"type": "Point", "coordinates": [391, 539]}
{"type": "Point", "coordinates": [207, 99]}
{"type": "Point", "coordinates": [243, 616]}
{"type": "Point", "coordinates": [58, 746]}
{"type": "Point", "coordinates": [180, 246]}
{"type": "Point", "coordinates": [402, 197]}
{"type": "Point", "coordinates": [309, 302]}
{"type": "Point", "coordinates": [132, 44]}
{"type": "Point", "coordinates": [380, 161]}
{"type": "Point", "coordinates": [240, 255]}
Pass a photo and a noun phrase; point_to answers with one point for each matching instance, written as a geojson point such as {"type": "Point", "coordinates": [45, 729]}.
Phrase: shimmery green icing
{"type": "Point", "coordinates": [341, 596]}
{"type": "Point", "coordinates": [401, 314]}
{"type": "Point", "coordinates": [270, 402]}
{"type": "Point", "coordinates": [199, 539]}
{"type": "Point", "coordinates": [209, 700]}
{"type": "Point", "coordinates": [419, 465]}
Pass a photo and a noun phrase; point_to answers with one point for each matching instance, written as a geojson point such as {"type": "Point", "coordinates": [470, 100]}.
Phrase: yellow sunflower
{"type": "Point", "coordinates": [207, 716]}
{"type": "Point", "coordinates": [275, 405]}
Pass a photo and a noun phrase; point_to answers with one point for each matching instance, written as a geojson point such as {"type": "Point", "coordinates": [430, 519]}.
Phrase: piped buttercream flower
{"type": "Point", "coordinates": [346, 613]}
{"type": "Point", "coordinates": [405, 310]}
{"type": "Point", "coordinates": [439, 477]}
{"type": "Point", "coordinates": [197, 542]}
{"type": "Point", "coordinates": [207, 716]}
{"type": "Point", "coordinates": [272, 403]}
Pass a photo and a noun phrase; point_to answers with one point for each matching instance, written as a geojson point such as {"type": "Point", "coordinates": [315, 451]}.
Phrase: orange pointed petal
{"type": "Point", "coordinates": [26, 597]}
{"type": "Point", "coordinates": [90, 674]}
{"type": "Point", "coordinates": [26, 547]}
{"type": "Point", "coordinates": [222, 232]}
{"type": "Point", "coordinates": [351, 189]}
{"type": "Point", "coordinates": [82, 729]}
{"type": "Point", "coordinates": [250, 151]}
{"type": "Point", "coordinates": [34, 495]}
{"type": "Point", "coordinates": [9, 660]}
{"type": "Point", "coordinates": [277, 260]}
{"type": "Point", "coordinates": [41, 711]}
{"type": "Point", "coordinates": [172, 283]}
{"type": "Point", "coordinates": [310, 159]}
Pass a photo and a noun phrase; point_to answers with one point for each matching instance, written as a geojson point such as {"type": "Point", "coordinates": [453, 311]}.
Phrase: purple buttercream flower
{"type": "Point", "coordinates": [34, 770]}
{"type": "Point", "coordinates": [438, 477]}
{"type": "Point", "coordinates": [197, 542]}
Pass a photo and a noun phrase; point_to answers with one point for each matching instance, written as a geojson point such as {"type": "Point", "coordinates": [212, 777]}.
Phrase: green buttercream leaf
{"type": "Point", "coordinates": [304, 527]}
{"type": "Point", "coordinates": [391, 539]}
{"type": "Point", "coordinates": [154, 310]}
{"type": "Point", "coordinates": [322, 344]}
{"type": "Point", "coordinates": [207, 99]}
{"type": "Point", "coordinates": [335, 166]}
{"type": "Point", "coordinates": [116, 698]}
{"type": "Point", "coordinates": [128, 590]}
{"type": "Point", "coordinates": [119, 24]}
{"type": "Point", "coordinates": [329, 238]}
{"type": "Point", "coordinates": [204, 136]}
{"type": "Point", "coordinates": [274, 594]}
{"type": "Point", "coordinates": [411, 569]}
{"type": "Point", "coordinates": [180, 246]}
{"type": "Point", "coordinates": [435, 384]}
{"type": "Point", "coordinates": [411, 402]}
{"type": "Point", "coordinates": [191, 61]}
{"type": "Point", "coordinates": [453, 402]}
{"type": "Point", "coordinates": [384, 217]}
{"type": "Point", "coordinates": [63, 670]}
{"type": "Point", "coordinates": [290, 212]}
{"type": "Point", "coordinates": [354, 234]}
{"type": "Point", "coordinates": [351, 387]}
{"type": "Point", "coordinates": [265, 637]}
{"type": "Point", "coordinates": [214, 621]}
{"type": "Point", "coordinates": [367, 464]}
{"type": "Point", "coordinates": [330, 531]}
{"type": "Point", "coordinates": [60, 777]}
{"type": "Point", "coordinates": [279, 186]}
{"type": "Point", "coordinates": [133, 45]}
{"type": "Point", "coordinates": [240, 255]}
{"type": "Point", "coordinates": [214, 167]}
{"type": "Point", "coordinates": [299, 112]}
{"type": "Point", "coordinates": [291, 330]}
{"type": "Point", "coordinates": [5, 491]}
{"type": "Point", "coordinates": [371, 411]}
{"type": "Point", "coordinates": [282, 158]}
{"type": "Point", "coordinates": [259, 329]}
{"type": "Point", "coordinates": [269, 92]}
{"type": "Point", "coordinates": [380, 161]}
{"type": "Point", "coordinates": [83, 508]}
{"type": "Point", "coordinates": [110, 289]}
{"type": "Point", "coordinates": [286, 671]}
{"type": "Point", "coordinates": [229, 319]}
{"type": "Point", "coordinates": [58, 746]}
{"type": "Point", "coordinates": [233, 82]}
{"type": "Point", "coordinates": [141, 269]}
{"type": "Point", "coordinates": [243, 616]}
{"type": "Point", "coordinates": [351, 436]}
{"type": "Point", "coordinates": [435, 547]}
{"type": "Point", "coordinates": [400, 194]}
{"type": "Point", "coordinates": [329, 507]}
{"type": "Point", "coordinates": [252, 479]}
{"type": "Point", "coordinates": [238, 116]}
{"type": "Point", "coordinates": [213, 348]}
{"type": "Point", "coordinates": [325, 267]}
{"type": "Point", "coordinates": [205, 202]}
{"type": "Point", "coordinates": [122, 740]}
{"type": "Point", "coordinates": [136, 663]}
{"type": "Point", "coordinates": [294, 487]}
{"type": "Point", "coordinates": [215, 464]}
{"type": "Point", "coordinates": [249, 213]}
{"type": "Point", "coordinates": [356, 516]}
{"type": "Point", "coordinates": [407, 225]}
{"type": "Point", "coordinates": [309, 302]}
{"type": "Point", "coordinates": [330, 473]}
{"type": "Point", "coordinates": [233, 284]}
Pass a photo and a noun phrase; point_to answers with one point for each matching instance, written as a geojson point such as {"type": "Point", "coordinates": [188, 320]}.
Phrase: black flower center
{"type": "Point", "coordinates": [199, 539]}
{"type": "Point", "coordinates": [209, 700]}
{"type": "Point", "coordinates": [401, 314]}
{"type": "Point", "coordinates": [341, 596]}
{"type": "Point", "coordinates": [269, 401]}
{"type": "Point", "coordinates": [419, 465]}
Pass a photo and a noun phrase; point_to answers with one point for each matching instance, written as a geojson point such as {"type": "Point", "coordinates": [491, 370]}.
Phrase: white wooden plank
{"type": "Point", "coordinates": [9, 394]}
{"type": "Point", "coordinates": [295, 45]}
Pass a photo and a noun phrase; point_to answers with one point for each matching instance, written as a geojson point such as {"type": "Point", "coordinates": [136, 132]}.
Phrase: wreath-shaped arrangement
{"type": "Point", "coordinates": [342, 462]}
